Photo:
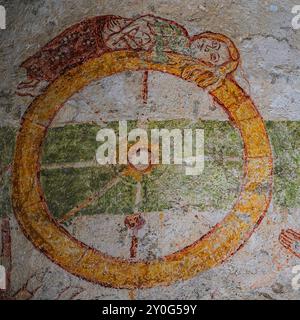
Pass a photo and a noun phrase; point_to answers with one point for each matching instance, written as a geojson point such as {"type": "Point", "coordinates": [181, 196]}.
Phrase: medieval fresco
{"type": "Point", "coordinates": [95, 205]}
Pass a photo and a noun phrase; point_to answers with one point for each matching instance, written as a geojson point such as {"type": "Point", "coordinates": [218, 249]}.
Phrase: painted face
{"type": "Point", "coordinates": [209, 50]}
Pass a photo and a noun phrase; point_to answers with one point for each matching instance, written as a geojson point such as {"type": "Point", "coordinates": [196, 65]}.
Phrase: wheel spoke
{"type": "Point", "coordinates": [89, 200]}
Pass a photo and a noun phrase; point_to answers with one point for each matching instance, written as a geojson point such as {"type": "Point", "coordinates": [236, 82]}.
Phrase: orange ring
{"type": "Point", "coordinates": [81, 260]}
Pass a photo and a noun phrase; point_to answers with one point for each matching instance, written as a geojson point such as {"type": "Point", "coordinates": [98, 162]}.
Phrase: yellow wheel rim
{"type": "Point", "coordinates": [81, 260]}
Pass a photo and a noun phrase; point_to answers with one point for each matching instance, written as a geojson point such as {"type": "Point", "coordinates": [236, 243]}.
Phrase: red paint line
{"type": "Point", "coordinates": [134, 246]}
{"type": "Point", "coordinates": [145, 87]}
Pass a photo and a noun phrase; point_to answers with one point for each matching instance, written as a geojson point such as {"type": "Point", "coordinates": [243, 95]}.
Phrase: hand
{"type": "Point", "coordinates": [289, 239]}
{"type": "Point", "coordinates": [137, 35]}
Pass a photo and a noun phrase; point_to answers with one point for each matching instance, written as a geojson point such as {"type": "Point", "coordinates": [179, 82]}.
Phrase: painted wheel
{"type": "Point", "coordinates": [216, 246]}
